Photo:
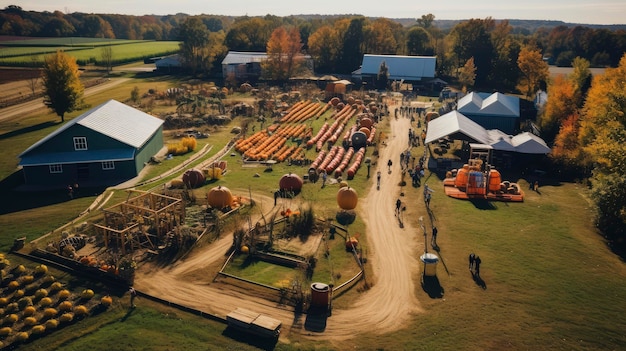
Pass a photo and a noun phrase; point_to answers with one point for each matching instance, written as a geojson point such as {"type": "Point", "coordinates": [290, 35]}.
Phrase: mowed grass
{"type": "Point", "coordinates": [134, 50]}
{"type": "Point", "coordinates": [551, 283]}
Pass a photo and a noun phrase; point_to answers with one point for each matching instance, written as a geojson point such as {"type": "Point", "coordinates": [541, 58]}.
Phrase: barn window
{"type": "Point", "coordinates": [80, 143]}
{"type": "Point", "coordinates": [108, 165]}
{"type": "Point", "coordinates": [56, 168]}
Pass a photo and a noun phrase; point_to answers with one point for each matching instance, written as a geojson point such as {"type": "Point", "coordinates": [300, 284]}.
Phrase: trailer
{"type": "Point", "coordinates": [254, 323]}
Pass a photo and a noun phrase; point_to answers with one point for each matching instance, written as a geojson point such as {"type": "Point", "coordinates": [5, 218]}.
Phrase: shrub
{"type": "Point", "coordinates": [12, 307]}
{"type": "Point", "coordinates": [21, 336]}
{"type": "Point", "coordinates": [12, 318]}
{"type": "Point", "coordinates": [190, 143]}
{"type": "Point", "coordinates": [56, 286]}
{"type": "Point", "coordinates": [18, 294]}
{"type": "Point", "coordinates": [27, 279]}
{"type": "Point", "coordinates": [41, 269]}
{"type": "Point", "coordinates": [106, 300]}
{"type": "Point", "coordinates": [3, 301]}
{"type": "Point", "coordinates": [5, 331]}
{"type": "Point", "coordinates": [13, 285]}
{"type": "Point", "coordinates": [19, 270]}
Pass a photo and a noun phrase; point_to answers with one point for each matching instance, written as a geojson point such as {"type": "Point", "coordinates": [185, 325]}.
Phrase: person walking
{"type": "Point", "coordinates": [398, 205]}
{"type": "Point", "coordinates": [378, 180]}
{"type": "Point", "coordinates": [472, 260]}
{"type": "Point", "coordinates": [389, 163]}
{"type": "Point", "coordinates": [433, 240]}
{"type": "Point", "coordinates": [477, 263]}
{"type": "Point", "coordinates": [133, 295]}
{"type": "Point", "coordinates": [324, 179]}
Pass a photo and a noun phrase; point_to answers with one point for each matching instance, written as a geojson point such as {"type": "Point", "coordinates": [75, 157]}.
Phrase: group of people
{"type": "Point", "coordinates": [474, 264]}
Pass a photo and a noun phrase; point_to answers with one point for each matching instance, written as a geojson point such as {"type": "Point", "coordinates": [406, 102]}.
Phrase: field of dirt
{"type": "Point", "coordinates": [392, 249]}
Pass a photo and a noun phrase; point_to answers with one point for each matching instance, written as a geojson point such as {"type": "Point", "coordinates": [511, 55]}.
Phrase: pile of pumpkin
{"type": "Point", "coordinates": [91, 261]}
{"type": "Point", "coordinates": [33, 303]}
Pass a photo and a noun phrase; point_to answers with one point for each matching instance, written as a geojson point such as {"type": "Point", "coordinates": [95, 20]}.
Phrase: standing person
{"type": "Point", "coordinates": [70, 191]}
{"type": "Point", "coordinates": [378, 180]}
{"type": "Point", "coordinates": [323, 179]}
{"type": "Point", "coordinates": [276, 194]}
{"type": "Point", "coordinates": [428, 199]}
{"type": "Point", "coordinates": [536, 186]}
{"type": "Point", "coordinates": [389, 163]}
{"type": "Point", "coordinates": [472, 260]}
{"type": "Point", "coordinates": [477, 263]}
{"type": "Point", "coordinates": [133, 295]}
{"type": "Point", "coordinates": [398, 205]}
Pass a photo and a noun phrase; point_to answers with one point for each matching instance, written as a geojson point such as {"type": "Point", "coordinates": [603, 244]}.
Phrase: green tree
{"type": "Point", "coordinates": [418, 42]}
{"type": "Point", "coordinates": [472, 39]}
{"type": "Point", "coordinates": [581, 77]}
{"type": "Point", "coordinates": [194, 36]}
{"type": "Point", "coordinates": [323, 44]}
{"type": "Point", "coordinates": [134, 94]}
{"type": "Point", "coordinates": [351, 53]}
{"type": "Point", "coordinates": [62, 86]}
{"type": "Point", "coordinates": [382, 78]}
{"type": "Point", "coordinates": [380, 37]}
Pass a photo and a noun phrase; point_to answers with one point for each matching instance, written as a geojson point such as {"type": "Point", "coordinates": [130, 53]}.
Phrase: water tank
{"type": "Point", "coordinates": [460, 181]}
{"type": "Point", "coordinates": [494, 180]}
{"type": "Point", "coordinates": [359, 140]}
{"type": "Point", "coordinates": [476, 183]}
{"type": "Point", "coordinates": [320, 295]}
{"type": "Point", "coordinates": [430, 261]}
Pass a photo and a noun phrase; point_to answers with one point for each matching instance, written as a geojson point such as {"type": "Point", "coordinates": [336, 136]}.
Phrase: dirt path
{"type": "Point", "coordinates": [34, 105]}
{"type": "Point", "coordinates": [391, 249]}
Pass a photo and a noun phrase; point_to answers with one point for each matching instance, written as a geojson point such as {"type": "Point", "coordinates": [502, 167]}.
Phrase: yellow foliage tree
{"type": "Point", "coordinates": [61, 82]}
{"type": "Point", "coordinates": [561, 104]}
{"type": "Point", "coordinates": [534, 70]}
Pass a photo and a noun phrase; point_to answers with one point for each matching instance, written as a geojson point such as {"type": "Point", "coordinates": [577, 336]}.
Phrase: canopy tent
{"type": "Point", "coordinates": [453, 124]}
{"type": "Point", "coordinates": [528, 143]}
{"type": "Point", "coordinates": [496, 104]}
{"type": "Point", "coordinates": [456, 126]}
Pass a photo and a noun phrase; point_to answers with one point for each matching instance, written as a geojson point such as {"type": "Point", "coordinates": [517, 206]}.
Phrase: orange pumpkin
{"type": "Point", "coordinates": [220, 197]}
{"type": "Point", "coordinates": [347, 198]}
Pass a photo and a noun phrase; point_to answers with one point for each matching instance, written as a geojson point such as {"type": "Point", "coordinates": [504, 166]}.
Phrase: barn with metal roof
{"type": "Point", "coordinates": [407, 68]}
{"type": "Point", "coordinates": [105, 145]}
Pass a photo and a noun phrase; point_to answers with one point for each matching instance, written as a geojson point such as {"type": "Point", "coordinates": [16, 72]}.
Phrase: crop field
{"type": "Point", "coordinates": [71, 41]}
{"type": "Point", "coordinates": [86, 52]}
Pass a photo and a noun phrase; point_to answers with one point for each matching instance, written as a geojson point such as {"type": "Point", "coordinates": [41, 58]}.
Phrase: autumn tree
{"type": "Point", "coordinates": [533, 69]}
{"type": "Point", "coordinates": [95, 26]}
{"type": "Point", "coordinates": [62, 86]}
{"type": "Point", "coordinates": [380, 37]}
{"type": "Point", "coordinates": [581, 78]}
{"type": "Point", "coordinates": [603, 139]}
{"type": "Point", "coordinates": [467, 74]}
{"type": "Point", "coordinates": [561, 105]}
{"type": "Point", "coordinates": [284, 57]}
{"type": "Point", "coordinates": [323, 44]}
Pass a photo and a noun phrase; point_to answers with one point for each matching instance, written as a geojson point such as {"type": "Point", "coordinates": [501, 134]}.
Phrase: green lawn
{"type": "Point", "coordinates": [550, 281]}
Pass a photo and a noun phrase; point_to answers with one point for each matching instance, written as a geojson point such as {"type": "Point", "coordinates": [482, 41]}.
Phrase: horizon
{"type": "Point", "coordinates": [608, 12]}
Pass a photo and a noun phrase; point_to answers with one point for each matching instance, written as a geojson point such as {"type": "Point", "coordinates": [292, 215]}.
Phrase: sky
{"type": "Point", "coordinates": [570, 11]}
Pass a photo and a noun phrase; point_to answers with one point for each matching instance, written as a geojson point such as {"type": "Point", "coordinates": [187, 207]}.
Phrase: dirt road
{"type": "Point", "coordinates": [34, 105]}
{"type": "Point", "coordinates": [392, 251]}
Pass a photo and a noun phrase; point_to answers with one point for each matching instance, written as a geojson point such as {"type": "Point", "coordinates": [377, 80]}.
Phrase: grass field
{"type": "Point", "coordinates": [87, 51]}
{"type": "Point", "coordinates": [550, 282]}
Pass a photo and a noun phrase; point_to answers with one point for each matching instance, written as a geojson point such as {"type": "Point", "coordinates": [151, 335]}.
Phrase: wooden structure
{"type": "Point", "coordinates": [142, 221]}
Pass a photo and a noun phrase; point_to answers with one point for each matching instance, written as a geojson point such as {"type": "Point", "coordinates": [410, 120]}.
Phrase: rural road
{"type": "Point", "coordinates": [391, 249]}
{"type": "Point", "coordinates": [34, 105]}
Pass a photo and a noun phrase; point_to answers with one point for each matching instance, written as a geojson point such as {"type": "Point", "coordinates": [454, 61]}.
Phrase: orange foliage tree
{"type": "Point", "coordinates": [533, 68]}
{"type": "Point", "coordinates": [284, 54]}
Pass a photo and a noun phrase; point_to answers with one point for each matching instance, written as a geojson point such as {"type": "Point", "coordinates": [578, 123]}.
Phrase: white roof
{"type": "Point", "coordinates": [115, 120]}
{"type": "Point", "coordinates": [529, 143]}
{"type": "Point", "coordinates": [496, 104]}
{"type": "Point", "coordinates": [460, 127]}
{"type": "Point", "coordinates": [400, 67]}
{"type": "Point", "coordinates": [454, 122]}
{"type": "Point", "coordinates": [238, 57]}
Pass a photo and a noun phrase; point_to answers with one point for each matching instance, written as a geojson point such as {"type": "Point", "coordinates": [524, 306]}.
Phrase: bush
{"type": "Point", "coordinates": [190, 143]}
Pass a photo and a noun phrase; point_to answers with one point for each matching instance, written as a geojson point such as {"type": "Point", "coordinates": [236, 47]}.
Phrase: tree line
{"type": "Point", "coordinates": [337, 43]}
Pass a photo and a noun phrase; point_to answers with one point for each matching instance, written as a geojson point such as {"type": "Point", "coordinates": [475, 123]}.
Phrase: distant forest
{"type": "Point", "coordinates": [336, 42]}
